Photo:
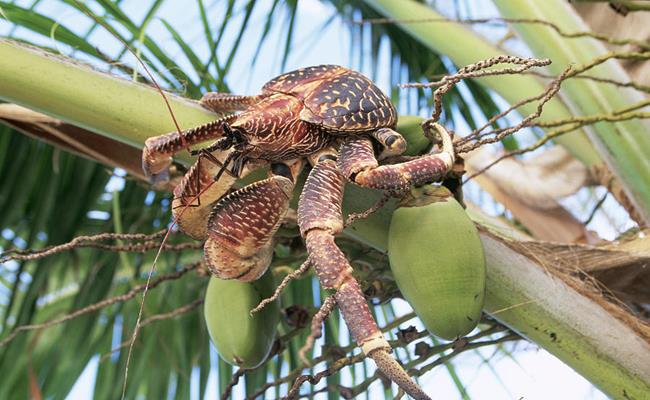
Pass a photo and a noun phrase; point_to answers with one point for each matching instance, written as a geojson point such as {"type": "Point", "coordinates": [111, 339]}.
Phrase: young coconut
{"type": "Point", "coordinates": [241, 339]}
{"type": "Point", "coordinates": [437, 259]}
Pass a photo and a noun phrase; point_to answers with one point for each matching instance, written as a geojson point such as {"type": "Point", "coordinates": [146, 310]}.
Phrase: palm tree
{"type": "Point", "coordinates": [551, 279]}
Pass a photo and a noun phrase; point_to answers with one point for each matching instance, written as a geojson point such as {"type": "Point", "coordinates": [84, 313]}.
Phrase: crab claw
{"type": "Point", "coordinates": [241, 228]}
{"type": "Point", "coordinates": [154, 164]}
{"type": "Point", "coordinates": [226, 263]}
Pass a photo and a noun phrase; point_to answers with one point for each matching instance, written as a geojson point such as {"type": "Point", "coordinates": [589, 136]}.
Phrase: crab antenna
{"type": "Point", "coordinates": [228, 160]}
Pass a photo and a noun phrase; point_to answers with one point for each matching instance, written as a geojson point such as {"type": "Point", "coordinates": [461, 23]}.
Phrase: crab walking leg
{"type": "Point", "coordinates": [242, 224]}
{"type": "Point", "coordinates": [320, 219]}
{"type": "Point", "coordinates": [227, 102]}
{"type": "Point", "coordinates": [358, 163]}
{"type": "Point", "coordinates": [157, 151]}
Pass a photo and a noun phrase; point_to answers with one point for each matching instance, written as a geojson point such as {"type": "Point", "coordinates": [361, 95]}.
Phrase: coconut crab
{"type": "Point", "coordinates": [331, 117]}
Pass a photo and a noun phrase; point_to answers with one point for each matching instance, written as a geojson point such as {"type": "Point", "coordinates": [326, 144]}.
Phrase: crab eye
{"type": "Point", "coordinates": [282, 170]}
{"type": "Point", "coordinates": [327, 157]}
{"type": "Point", "coordinates": [236, 134]}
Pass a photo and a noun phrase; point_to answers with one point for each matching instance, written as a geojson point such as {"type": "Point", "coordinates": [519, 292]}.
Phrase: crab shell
{"type": "Point", "coordinates": [336, 98]}
{"type": "Point", "coordinates": [303, 111]}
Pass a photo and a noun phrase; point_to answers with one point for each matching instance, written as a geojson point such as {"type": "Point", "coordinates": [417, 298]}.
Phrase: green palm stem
{"type": "Point", "coordinates": [73, 92]}
{"type": "Point", "coordinates": [624, 145]}
{"type": "Point", "coordinates": [520, 293]}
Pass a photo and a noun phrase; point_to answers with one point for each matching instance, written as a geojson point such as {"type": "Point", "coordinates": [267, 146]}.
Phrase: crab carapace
{"type": "Point", "coordinates": [331, 117]}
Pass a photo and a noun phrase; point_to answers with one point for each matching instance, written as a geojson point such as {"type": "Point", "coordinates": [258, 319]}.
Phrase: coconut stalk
{"type": "Point", "coordinates": [574, 327]}
{"type": "Point", "coordinates": [624, 145]}
{"type": "Point", "coordinates": [79, 95]}
{"type": "Point", "coordinates": [520, 293]}
{"type": "Point", "coordinates": [73, 92]}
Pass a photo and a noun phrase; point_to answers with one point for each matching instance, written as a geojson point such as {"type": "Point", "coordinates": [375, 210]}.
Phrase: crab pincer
{"type": "Point", "coordinates": [241, 228]}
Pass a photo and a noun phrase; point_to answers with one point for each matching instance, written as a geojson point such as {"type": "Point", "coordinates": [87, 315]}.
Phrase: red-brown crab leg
{"type": "Point", "coordinates": [320, 219]}
{"type": "Point", "coordinates": [241, 225]}
{"type": "Point", "coordinates": [157, 152]}
{"type": "Point", "coordinates": [227, 102]}
{"type": "Point", "coordinates": [358, 163]}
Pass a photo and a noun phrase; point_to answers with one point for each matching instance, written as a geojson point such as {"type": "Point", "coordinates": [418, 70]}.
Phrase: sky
{"type": "Point", "coordinates": [531, 373]}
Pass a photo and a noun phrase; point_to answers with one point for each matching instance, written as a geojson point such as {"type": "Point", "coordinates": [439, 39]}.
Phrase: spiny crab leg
{"type": "Point", "coordinates": [156, 155]}
{"type": "Point", "coordinates": [320, 219]}
{"type": "Point", "coordinates": [227, 102]}
{"type": "Point", "coordinates": [158, 150]}
{"type": "Point", "coordinates": [358, 163]}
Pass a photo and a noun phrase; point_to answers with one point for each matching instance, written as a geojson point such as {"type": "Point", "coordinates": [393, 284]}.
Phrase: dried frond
{"type": "Point", "coordinates": [476, 70]}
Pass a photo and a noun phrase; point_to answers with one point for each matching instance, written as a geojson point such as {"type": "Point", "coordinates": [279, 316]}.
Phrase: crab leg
{"type": "Point", "coordinates": [320, 219]}
{"type": "Point", "coordinates": [227, 102]}
{"type": "Point", "coordinates": [241, 226]}
{"type": "Point", "coordinates": [358, 163]}
{"type": "Point", "coordinates": [157, 152]}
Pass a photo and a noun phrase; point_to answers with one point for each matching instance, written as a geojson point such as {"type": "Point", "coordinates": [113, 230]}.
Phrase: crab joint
{"type": "Point", "coordinates": [357, 161]}
{"type": "Point", "coordinates": [393, 143]}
